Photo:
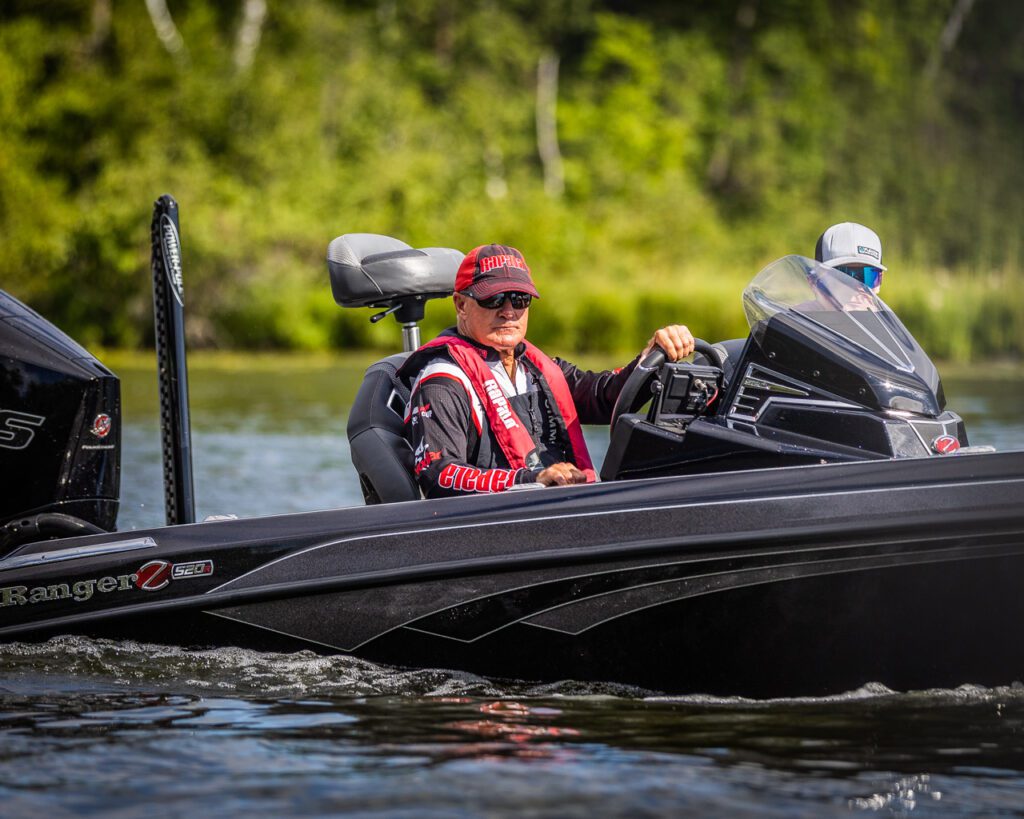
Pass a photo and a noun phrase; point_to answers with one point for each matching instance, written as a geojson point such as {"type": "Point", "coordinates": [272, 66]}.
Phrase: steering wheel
{"type": "Point", "coordinates": [646, 370]}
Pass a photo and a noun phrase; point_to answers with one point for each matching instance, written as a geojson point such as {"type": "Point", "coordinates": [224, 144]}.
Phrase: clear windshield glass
{"type": "Point", "coordinates": [830, 302]}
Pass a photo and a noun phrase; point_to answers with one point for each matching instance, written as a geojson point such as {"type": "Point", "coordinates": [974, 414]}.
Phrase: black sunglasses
{"type": "Point", "coordinates": [520, 301]}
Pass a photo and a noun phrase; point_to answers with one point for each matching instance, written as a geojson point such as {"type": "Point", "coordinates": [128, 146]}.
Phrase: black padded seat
{"type": "Point", "coordinates": [380, 453]}
{"type": "Point", "coordinates": [368, 269]}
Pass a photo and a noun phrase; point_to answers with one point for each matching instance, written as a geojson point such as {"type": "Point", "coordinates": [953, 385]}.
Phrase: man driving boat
{"type": "Point", "coordinates": [488, 410]}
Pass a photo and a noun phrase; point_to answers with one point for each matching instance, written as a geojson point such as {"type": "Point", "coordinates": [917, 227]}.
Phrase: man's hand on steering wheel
{"type": "Point", "coordinates": [675, 339]}
{"type": "Point", "coordinates": [669, 343]}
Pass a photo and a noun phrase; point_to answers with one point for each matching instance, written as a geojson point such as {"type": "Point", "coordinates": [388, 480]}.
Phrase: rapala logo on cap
{"type": "Point", "coordinates": [501, 260]}
{"type": "Point", "coordinates": [868, 251]}
{"type": "Point", "coordinates": [945, 444]}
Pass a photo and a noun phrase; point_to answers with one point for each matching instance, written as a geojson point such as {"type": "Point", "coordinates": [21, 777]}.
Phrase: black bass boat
{"type": "Point", "coordinates": [795, 513]}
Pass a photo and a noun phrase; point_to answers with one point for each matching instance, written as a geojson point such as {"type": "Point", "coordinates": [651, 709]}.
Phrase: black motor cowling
{"type": "Point", "coordinates": [60, 432]}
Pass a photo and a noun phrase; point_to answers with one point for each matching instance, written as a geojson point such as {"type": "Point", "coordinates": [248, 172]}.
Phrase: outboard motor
{"type": "Point", "coordinates": [60, 432]}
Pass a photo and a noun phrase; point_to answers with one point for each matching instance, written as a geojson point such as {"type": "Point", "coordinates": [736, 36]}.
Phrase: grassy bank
{"type": "Point", "coordinates": [956, 318]}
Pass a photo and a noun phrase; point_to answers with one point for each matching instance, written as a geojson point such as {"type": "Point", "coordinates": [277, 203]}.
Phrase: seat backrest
{"type": "Point", "coordinates": [380, 453]}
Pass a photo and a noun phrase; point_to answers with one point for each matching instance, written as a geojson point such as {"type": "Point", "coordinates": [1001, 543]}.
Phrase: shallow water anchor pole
{"type": "Point", "coordinates": [169, 326]}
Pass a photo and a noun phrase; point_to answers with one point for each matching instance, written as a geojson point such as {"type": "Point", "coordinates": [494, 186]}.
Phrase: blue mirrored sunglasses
{"type": "Point", "coordinates": [520, 301]}
{"type": "Point", "coordinates": [868, 275]}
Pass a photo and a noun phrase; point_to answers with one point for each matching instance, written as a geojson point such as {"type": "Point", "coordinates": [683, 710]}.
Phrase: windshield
{"type": "Point", "coordinates": [823, 312]}
{"type": "Point", "coordinates": [832, 301]}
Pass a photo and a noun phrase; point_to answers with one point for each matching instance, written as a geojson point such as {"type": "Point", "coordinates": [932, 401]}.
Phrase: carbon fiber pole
{"type": "Point", "coordinates": [169, 320]}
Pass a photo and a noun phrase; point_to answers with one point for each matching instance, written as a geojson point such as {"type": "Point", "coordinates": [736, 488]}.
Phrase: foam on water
{"type": "Point", "coordinates": [244, 672]}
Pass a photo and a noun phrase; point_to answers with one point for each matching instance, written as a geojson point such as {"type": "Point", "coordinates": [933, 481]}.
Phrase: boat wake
{"type": "Point", "coordinates": [244, 672]}
{"type": "Point", "coordinates": [74, 662]}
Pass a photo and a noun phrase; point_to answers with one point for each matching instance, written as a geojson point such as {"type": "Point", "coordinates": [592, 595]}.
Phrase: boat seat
{"type": "Point", "coordinates": [380, 453]}
{"type": "Point", "coordinates": [368, 269]}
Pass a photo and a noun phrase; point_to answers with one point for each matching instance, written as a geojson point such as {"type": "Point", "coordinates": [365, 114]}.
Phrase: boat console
{"type": "Point", "coordinates": [828, 374]}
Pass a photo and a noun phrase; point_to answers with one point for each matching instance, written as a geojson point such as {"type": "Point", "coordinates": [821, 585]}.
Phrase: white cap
{"type": "Point", "coordinates": [849, 243]}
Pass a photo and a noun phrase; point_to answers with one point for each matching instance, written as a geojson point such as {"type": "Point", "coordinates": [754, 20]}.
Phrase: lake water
{"type": "Point", "coordinates": [124, 729]}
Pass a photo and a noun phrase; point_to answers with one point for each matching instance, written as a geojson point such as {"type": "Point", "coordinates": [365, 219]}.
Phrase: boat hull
{"type": "Point", "coordinates": [777, 582]}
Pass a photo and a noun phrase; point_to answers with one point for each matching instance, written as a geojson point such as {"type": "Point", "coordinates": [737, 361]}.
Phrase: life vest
{"type": "Point", "coordinates": [506, 426]}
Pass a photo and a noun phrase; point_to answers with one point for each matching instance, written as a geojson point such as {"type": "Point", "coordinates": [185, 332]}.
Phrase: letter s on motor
{"type": "Point", "coordinates": [18, 428]}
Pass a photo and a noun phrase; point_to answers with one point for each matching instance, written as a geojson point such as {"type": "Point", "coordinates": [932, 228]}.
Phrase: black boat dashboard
{"type": "Point", "coordinates": [828, 374]}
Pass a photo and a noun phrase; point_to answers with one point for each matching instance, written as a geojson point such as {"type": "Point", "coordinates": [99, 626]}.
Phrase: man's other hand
{"type": "Point", "coordinates": [561, 474]}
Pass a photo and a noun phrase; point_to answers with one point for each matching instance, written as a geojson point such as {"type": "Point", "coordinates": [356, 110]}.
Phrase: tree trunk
{"type": "Point", "coordinates": [102, 14]}
{"type": "Point", "coordinates": [719, 167]}
{"type": "Point", "coordinates": [249, 33]}
{"type": "Point", "coordinates": [166, 31]}
{"type": "Point", "coordinates": [948, 38]}
{"type": "Point", "coordinates": [547, 128]}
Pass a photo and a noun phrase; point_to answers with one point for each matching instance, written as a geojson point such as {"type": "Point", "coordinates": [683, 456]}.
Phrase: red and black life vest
{"type": "Point", "coordinates": [506, 426]}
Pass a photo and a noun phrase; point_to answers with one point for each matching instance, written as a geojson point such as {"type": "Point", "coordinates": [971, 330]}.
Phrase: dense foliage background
{"type": "Point", "coordinates": [681, 146]}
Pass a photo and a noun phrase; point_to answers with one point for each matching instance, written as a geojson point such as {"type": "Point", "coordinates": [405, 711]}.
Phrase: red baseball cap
{"type": "Point", "coordinates": [491, 269]}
